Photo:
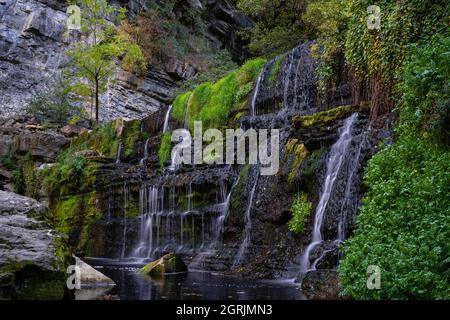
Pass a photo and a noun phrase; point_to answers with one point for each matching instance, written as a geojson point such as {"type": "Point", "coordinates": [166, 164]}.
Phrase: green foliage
{"type": "Point", "coordinates": [165, 148]}
{"type": "Point", "coordinates": [279, 25]}
{"type": "Point", "coordinates": [93, 59]}
{"type": "Point", "coordinates": [424, 85]}
{"type": "Point", "coordinates": [403, 226]}
{"type": "Point", "coordinates": [330, 18]}
{"type": "Point", "coordinates": [71, 172]}
{"type": "Point", "coordinates": [301, 210]}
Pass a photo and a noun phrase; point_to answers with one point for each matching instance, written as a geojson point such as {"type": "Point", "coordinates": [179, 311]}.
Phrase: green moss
{"type": "Point", "coordinates": [240, 192]}
{"type": "Point", "coordinates": [220, 103]}
{"type": "Point", "coordinates": [327, 117]}
{"type": "Point", "coordinates": [131, 135]}
{"type": "Point", "coordinates": [250, 71]}
{"type": "Point", "coordinates": [170, 263]}
{"type": "Point", "coordinates": [200, 98]}
{"type": "Point", "coordinates": [301, 210]}
{"type": "Point", "coordinates": [180, 106]}
{"type": "Point", "coordinates": [165, 148]}
{"type": "Point", "coordinates": [298, 151]}
{"type": "Point", "coordinates": [72, 214]}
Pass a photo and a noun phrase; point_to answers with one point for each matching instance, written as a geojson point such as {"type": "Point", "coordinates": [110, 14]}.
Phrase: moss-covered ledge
{"type": "Point", "coordinates": [327, 117]}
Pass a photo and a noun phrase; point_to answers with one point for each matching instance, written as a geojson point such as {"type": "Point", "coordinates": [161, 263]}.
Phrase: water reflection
{"type": "Point", "coordinates": [193, 286]}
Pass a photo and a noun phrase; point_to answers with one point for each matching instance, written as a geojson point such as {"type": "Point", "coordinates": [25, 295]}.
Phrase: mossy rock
{"type": "Point", "coordinates": [170, 263]}
{"type": "Point", "coordinates": [327, 117]}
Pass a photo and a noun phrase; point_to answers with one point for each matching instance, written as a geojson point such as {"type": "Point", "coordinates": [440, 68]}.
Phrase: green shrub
{"type": "Point", "coordinates": [301, 210]}
{"type": "Point", "coordinates": [403, 226]}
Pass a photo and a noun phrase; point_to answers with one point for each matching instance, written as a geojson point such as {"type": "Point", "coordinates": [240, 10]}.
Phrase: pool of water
{"type": "Point", "coordinates": [131, 285]}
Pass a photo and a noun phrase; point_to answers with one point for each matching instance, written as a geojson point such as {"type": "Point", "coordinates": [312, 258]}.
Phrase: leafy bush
{"type": "Point", "coordinates": [301, 210]}
{"type": "Point", "coordinates": [71, 172]}
{"type": "Point", "coordinates": [403, 226]}
{"type": "Point", "coordinates": [424, 85]}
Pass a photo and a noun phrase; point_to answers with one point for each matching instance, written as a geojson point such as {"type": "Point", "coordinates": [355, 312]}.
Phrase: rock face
{"type": "Point", "coordinates": [24, 138]}
{"type": "Point", "coordinates": [33, 46]}
{"type": "Point", "coordinates": [29, 267]}
{"type": "Point", "coordinates": [170, 263]}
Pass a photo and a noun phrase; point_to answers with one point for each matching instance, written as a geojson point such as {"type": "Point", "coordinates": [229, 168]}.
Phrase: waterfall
{"type": "Point", "coordinates": [119, 153]}
{"type": "Point", "coordinates": [287, 80]}
{"type": "Point", "coordinates": [248, 226]}
{"type": "Point", "coordinates": [126, 198]}
{"type": "Point", "coordinates": [334, 163]}
{"type": "Point", "coordinates": [166, 120]}
{"type": "Point", "coordinates": [220, 222]}
{"type": "Point", "coordinates": [255, 93]}
{"type": "Point", "coordinates": [145, 157]}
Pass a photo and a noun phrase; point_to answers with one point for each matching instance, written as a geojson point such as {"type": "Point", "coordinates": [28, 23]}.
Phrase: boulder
{"type": "Point", "coordinates": [29, 268]}
{"type": "Point", "coordinates": [321, 285]}
{"type": "Point", "coordinates": [170, 263]}
{"type": "Point", "coordinates": [42, 145]}
{"type": "Point", "coordinates": [90, 277]}
{"type": "Point", "coordinates": [71, 130]}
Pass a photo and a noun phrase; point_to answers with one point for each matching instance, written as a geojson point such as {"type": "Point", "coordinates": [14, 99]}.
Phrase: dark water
{"type": "Point", "coordinates": [193, 286]}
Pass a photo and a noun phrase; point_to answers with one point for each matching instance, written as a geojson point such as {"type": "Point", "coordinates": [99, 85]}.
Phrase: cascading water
{"type": "Point", "coordinates": [166, 120]}
{"type": "Point", "coordinates": [255, 94]}
{"type": "Point", "coordinates": [119, 153]}
{"type": "Point", "coordinates": [248, 226]}
{"type": "Point", "coordinates": [335, 161]}
{"type": "Point", "coordinates": [126, 199]}
{"type": "Point", "coordinates": [145, 157]}
{"type": "Point", "coordinates": [170, 222]}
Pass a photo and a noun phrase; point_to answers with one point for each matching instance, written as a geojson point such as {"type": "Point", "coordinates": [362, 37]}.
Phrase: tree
{"type": "Point", "coordinates": [102, 46]}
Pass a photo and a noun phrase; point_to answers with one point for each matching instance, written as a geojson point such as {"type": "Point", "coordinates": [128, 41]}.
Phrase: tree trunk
{"type": "Point", "coordinates": [96, 101]}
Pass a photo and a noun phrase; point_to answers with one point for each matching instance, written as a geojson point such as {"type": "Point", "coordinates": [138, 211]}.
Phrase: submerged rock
{"type": "Point", "coordinates": [321, 285]}
{"type": "Point", "coordinates": [170, 263]}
